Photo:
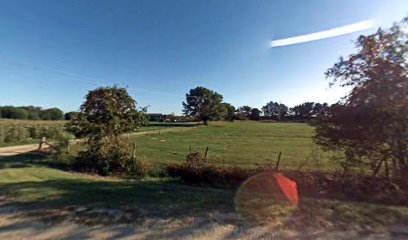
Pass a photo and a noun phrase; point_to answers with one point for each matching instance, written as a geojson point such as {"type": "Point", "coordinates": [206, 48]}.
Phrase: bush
{"type": "Point", "coordinates": [106, 113]}
{"type": "Point", "coordinates": [196, 160]}
{"type": "Point", "coordinates": [105, 158]}
{"type": "Point", "coordinates": [198, 170]}
{"type": "Point", "coordinates": [140, 167]}
{"type": "Point", "coordinates": [210, 175]}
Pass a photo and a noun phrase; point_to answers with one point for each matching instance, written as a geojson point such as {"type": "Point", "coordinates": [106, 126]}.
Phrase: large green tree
{"type": "Point", "coordinates": [255, 114]}
{"type": "Point", "coordinates": [275, 110]}
{"type": "Point", "coordinates": [371, 124]}
{"type": "Point", "coordinates": [51, 114]}
{"type": "Point", "coordinates": [244, 112]}
{"type": "Point", "coordinates": [203, 104]}
{"type": "Point", "coordinates": [106, 113]}
{"type": "Point", "coordinates": [309, 110]}
{"type": "Point", "coordinates": [230, 112]}
{"type": "Point", "coordinates": [13, 112]}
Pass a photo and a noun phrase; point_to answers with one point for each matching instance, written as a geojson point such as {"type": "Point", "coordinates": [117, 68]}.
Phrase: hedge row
{"type": "Point", "coordinates": [352, 187]}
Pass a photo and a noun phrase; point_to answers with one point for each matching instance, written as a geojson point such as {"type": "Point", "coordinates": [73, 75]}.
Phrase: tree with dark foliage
{"type": "Point", "coordinates": [52, 114]}
{"type": "Point", "coordinates": [275, 110]}
{"type": "Point", "coordinates": [255, 114]}
{"type": "Point", "coordinates": [308, 110]}
{"type": "Point", "coordinates": [230, 112]}
{"type": "Point", "coordinates": [70, 115]}
{"type": "Point", "coordinates": [371, 124]}
{"type": "Point", "coordinates": [244, 112]}
{"type": "Point", "coordinates": [204, 104]}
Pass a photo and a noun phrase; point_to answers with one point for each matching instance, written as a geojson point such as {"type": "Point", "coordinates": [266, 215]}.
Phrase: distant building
{"type": "Point", "coordinates": [155, 117]}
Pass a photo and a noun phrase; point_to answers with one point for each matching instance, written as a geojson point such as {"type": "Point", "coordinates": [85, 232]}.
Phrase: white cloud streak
{"type": "Point", "coordinates": [334, 32]}
{"type": "Point", "coordinates": [81, 78]}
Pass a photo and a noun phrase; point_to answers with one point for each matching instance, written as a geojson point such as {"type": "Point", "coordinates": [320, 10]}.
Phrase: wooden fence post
{"type": "Point", "coordinates": [134, 151]}
{"type": "Point", "coordinates": [42, 141]}
{"type": "Point", "coordinates": [277, 164]}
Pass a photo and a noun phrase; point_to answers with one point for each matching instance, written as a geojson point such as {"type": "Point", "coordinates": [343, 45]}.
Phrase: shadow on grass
{"type": "Point", "coordinates": [56, 190]}
{"type": "Point", "coordinates": [156, 198]}
{"type": "Point", "coordinates": [29, 159]}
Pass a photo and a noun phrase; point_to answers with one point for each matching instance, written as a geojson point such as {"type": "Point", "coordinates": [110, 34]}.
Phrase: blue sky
{"type": "Point", "coordinates": [53, 52]}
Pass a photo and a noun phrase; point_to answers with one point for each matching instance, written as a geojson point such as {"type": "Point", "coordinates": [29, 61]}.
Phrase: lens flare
{"type": "Point", "coordinates": [267, 196]}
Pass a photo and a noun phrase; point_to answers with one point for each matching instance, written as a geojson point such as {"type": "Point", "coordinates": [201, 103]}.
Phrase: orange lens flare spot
{"type": "Point", "coordinates": [267, 196]}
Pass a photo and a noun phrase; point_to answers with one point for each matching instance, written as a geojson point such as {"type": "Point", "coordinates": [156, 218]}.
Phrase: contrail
{"type": "Point", "coordinates": [334, 32]}
{"type": "Point", "coordinates": [82, 78]}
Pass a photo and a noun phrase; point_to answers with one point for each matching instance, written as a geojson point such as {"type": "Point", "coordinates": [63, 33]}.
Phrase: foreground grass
{"type": "Point", "coordinates": [28, 178]}
{"type": "Point", "coordinates": [38, 192]}
{"type": "Point", "coordinates": [244, 144]}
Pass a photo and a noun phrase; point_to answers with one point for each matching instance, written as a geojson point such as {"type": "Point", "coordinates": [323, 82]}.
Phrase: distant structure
{"type": "Point", "coordinates": [155, 117]}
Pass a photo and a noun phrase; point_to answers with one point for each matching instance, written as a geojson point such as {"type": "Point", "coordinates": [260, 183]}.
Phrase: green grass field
{"type": "Point", "coordinates": [153, 126]}
{"type": "Point", "coordinates": [244, 144]}
{"type": "Point", "coordinates": [35, 189]}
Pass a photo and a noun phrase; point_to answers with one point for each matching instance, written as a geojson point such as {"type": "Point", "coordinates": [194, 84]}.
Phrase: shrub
{"type": "Point", "coordinates": [105, 158]}
{"type": "Point", "coordinates": [196, 160]}
{"type": "Point", "coordinates": [199, 170]}
{"type": "Point", "coordinates": [139, 167]}
{"type": "Point", "coordinates": [107, 113]}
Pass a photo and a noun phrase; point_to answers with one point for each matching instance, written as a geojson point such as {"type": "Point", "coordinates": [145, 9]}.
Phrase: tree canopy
{"type": "Point", "coordinates": [244, 112]}
{"type": "Point", "coordinates": [204, 104]}
{"type": "Point", "coordinates": [106, 113]}
{"type": "Point", "coordinates": [275, 110]}
{"type": "Point", "coordinates": [308, 110]}
{"type": "Point", "coordinates": [230, 112]}
{"type": "Point", "coordinates": [371, 124]}
{"type": "Point", "coordinates": [31, 113]}
{"type": "Point", "coordinates": [255, 114]}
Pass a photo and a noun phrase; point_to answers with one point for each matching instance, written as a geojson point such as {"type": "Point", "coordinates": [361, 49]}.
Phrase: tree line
{"type": "Point", "coordinates": [34, 113]}
{"type": "Point", "coordinates": [205, 105]}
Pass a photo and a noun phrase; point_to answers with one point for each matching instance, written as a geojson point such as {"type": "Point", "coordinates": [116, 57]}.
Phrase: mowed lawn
{"type": "Point", "coordinates": [243, 144]}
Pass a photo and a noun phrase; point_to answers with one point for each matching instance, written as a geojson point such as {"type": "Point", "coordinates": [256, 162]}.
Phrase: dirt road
{"type": "Point", "coordinates": [34, 223]}
{"type": "Point", "coordinates": [14, 150]}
